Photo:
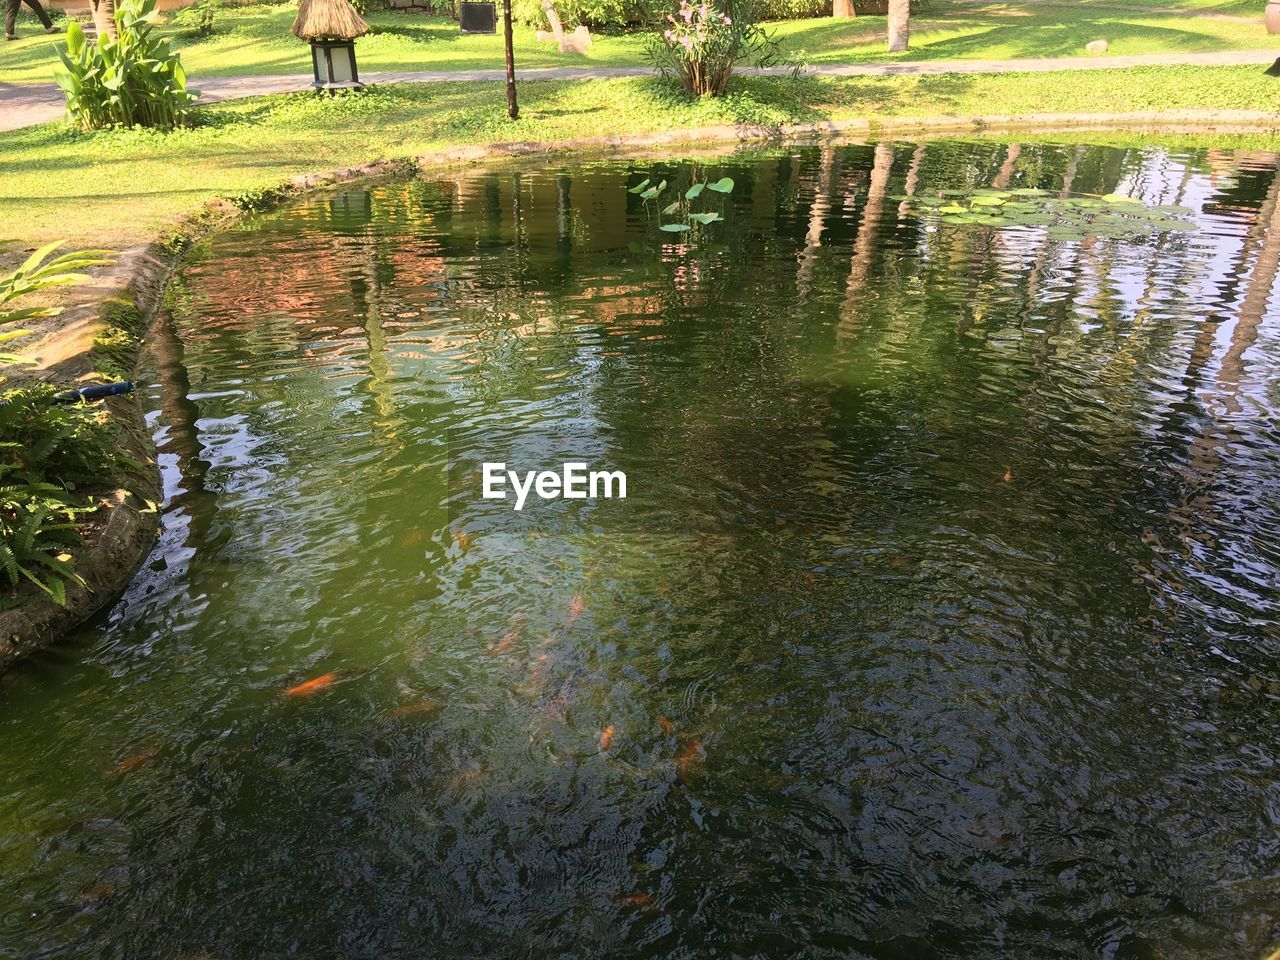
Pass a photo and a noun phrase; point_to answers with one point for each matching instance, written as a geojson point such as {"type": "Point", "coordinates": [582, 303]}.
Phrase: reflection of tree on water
{"type": "Point", "coordinates": [190, 499]}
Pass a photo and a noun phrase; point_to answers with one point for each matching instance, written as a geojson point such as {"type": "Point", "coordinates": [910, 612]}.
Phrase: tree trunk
{"type": "Point", "coordinates": [513, 108]}
{"type": "Point", "coordinates": [899, 25]}
{"type": "Point", "coordinates": [843, 8]}
{"type": "Point", "coordinates": [104, 18]}
{"type": "Point", "coordinates": [553, 18]}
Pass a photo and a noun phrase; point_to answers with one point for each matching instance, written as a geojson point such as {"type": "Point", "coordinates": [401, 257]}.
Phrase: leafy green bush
{"type": "Point", "coordinates": [621, 14]}
{"type": "Point", "coordinates": [200, 19]}
{"type": "Point", "coordinates": [47, 451]}
{"type": "Point", "coordinates": [134, 80]}
{"type": "Point", "coordinates": [700, 42]}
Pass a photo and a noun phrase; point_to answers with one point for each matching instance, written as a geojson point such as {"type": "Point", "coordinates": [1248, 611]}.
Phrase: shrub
{"type": "Point", "coordinates": [47, 451]}
{"type": "Point", "coordinates": [700, 43]}
{"type": "Point", "coordinates": [199, 19]}
{"type": "Point", "coordinates": [134, 80]}
{"type": "Point", "coordinates": [620, 14]}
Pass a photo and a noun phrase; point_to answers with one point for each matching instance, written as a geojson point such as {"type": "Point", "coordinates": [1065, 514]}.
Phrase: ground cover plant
{"type": "Point", "coordinates": [255, 40]}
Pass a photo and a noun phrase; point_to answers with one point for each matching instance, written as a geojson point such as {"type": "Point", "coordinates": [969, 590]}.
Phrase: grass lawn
{"type": "Point", "coordinates": [256, 40]}
{"type": "Point", "coordinates": [113, 188]}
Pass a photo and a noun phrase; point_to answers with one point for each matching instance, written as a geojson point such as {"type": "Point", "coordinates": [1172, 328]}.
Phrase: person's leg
{"type": "Point", "coordinates": [44, 17]}
{"type": "Point", "coordinates": [10, 16]}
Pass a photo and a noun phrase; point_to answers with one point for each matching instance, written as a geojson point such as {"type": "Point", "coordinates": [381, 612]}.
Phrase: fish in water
{"type": "Point", "coordinates": [641, 901]}
{"type": "Point", "coordinates": [666, 725]}
{"type": "Point", "coordinates": [503, 645]}
{"type": "Point", "coordinates": [690, 759]}
{"type": "Point", "coordinates": [1008, 475]}
{"type": "Point", "coordinates": [576, 606]}
{"type": "Point", "coordinates": [606, 738]}
{"type": "Point", "coordinates": [135, 762]}
{"type": "Point", "coordinates": [411, 708]}
{"type": "Point", "coordinates": [463, 540]}
{"type": "Point", "coordinates": [412, 539]}
{"type": "Point", "coordinates": [305, 689]}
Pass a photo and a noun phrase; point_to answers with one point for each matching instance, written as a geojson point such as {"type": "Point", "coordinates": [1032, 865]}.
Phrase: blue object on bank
{"type": "Point", "coordinates": [96, 392]}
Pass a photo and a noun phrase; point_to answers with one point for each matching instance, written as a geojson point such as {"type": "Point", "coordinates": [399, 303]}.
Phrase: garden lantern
{"type": "Point", "coordinates": [331, 27]}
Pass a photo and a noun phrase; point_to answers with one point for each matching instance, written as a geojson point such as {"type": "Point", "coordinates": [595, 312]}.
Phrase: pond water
{"type": "Point", "coordinates": [940, 619]}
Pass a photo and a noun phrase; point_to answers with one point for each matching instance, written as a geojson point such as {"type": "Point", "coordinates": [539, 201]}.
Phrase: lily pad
{"type": "Point", "coordinates": [704, 218]}
{"type": "Point", "coordinates": [674, 227]}
{"type": "Point", "coordinates": [694, 191]}
{"type": "Point", "coordinates": [639, 186]}
{"type": "Point", "coordinates": [723, 185]}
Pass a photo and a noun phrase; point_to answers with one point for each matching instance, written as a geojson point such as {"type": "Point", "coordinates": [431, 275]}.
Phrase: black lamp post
{"type": "Point", "coordinates": [331, 27]}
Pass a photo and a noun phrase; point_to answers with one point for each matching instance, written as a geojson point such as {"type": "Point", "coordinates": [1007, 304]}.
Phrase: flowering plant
{"type": "Point", "coordinates": [701, 41]}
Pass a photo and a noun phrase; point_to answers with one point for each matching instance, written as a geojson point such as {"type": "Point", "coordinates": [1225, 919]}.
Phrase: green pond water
{"type": "Point", "coordinates": [940, 620]}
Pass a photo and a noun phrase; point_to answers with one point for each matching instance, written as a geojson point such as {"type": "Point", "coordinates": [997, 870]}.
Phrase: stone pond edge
{"type": "Point", "coordinates": [103, 328]}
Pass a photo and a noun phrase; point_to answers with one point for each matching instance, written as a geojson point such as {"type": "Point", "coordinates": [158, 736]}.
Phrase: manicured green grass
{"type": "Point", "coordinates": [1003, 31]}
{"type": "Point", "coordinates": [118, 187]}
{"type": "Point", "coordinates": [256, 40]}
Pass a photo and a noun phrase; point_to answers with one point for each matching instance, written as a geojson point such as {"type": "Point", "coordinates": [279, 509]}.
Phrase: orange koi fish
{"type": "Point", "coordinates": [411, 708]}
{"type": "Point", "coordinates": [606, 738]}
{"type": "Point", "coordinates": [666, 725]}
{"type": "Point", "coordinates": [576, 606]}
{"type": "Point", "coordinates": [690, 759]}
{"type": "Point", "coordinates": [323, 682]}
{"type": "Point", "coordinates": [503, 645]}
{"type": "Point", "coordinates": [463, 540]}
{"type": "Point", "coordinates": [640, 900]}
{"type": "Point", "coordinates": [136, 762]}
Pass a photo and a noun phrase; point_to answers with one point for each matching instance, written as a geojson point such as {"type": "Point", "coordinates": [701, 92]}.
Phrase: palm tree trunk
{"type": "Point", "coordinates": [104, 17]}
{"type": "Point", "coordinates": [899, 25]}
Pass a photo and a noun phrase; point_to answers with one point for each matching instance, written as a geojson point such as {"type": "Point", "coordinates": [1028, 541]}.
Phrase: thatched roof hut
{"type": "Point", "coordinates": [328, 20]}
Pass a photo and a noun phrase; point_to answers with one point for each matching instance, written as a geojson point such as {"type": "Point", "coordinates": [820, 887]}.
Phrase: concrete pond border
{"type": "Point", "coordinates": [103, 328]}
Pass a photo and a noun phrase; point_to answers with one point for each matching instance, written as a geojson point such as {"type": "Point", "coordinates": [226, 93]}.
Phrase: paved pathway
{"type": "Point", "coordinates": [24, 104]}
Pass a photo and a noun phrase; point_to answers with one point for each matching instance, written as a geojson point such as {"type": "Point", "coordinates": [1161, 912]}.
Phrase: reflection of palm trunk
{"type": "Point", "coordinates": [1256, 295]}
{"type": "Point", "coordinates": [182, 440]}
{"type": "Point", "coordinates": [1007, 168]}
{"type": "Point", "coordinates": [1205, 342]}
{"type": "Point", "coordinates": [913, 180]}
{"type": "Point", "coordinates": [817, 219]}
{"type": "Point", "coordinates": [865, 244]}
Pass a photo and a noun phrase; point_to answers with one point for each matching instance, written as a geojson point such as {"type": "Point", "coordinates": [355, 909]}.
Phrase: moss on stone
{"type": "Point", "coordinates": [115, 348]}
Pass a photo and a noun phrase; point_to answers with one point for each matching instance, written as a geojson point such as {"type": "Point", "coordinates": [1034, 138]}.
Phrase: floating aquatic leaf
{"type": "Point", "coordinates": [674, 227]}
{"type": "Point", "coordinates": [639, 186]}
{"type": "Point", "coordinates": [694, 191]}
{"type": "Point", "coordinates": [654, 191]}
{"type": "Point", "coordinates": [723, 185]}
{"type": "Point", "coordinates": [704, 217]}
{"type": "Point", "coordinates": [1066, 218]}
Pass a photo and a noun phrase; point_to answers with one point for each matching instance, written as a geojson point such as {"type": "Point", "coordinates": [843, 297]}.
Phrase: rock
{"type": "Point", "coordinates": [1096, 46]}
